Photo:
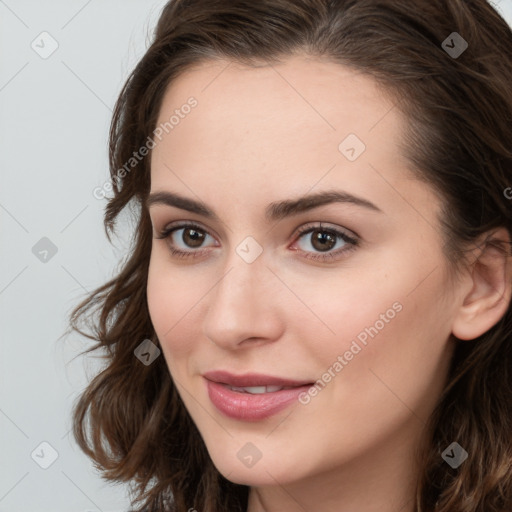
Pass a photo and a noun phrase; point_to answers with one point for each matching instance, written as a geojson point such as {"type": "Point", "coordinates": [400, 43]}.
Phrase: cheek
{"type": "Point", "coordinates": [346, 312]}
{"type": "Point", "coordinates": [170, 301]}
{"type": "Point", "coordinates": [382, 320]}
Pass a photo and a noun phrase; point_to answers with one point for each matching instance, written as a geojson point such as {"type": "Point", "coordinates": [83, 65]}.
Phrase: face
{"type": "Point", "coordinates": [343, 301]}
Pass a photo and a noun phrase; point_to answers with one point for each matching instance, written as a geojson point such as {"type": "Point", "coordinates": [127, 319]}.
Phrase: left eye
{"type": "Point", "coordinates": [322, 239]}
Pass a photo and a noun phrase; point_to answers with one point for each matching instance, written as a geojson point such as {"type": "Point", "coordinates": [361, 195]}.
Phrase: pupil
{"type": "Point", "coordinates": [195, 236]}
{"type": "Point", "coordinates": [322, 237]}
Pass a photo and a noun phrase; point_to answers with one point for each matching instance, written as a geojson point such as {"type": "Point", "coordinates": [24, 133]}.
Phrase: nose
{"type": "Point", "coordinates": [243, 308]}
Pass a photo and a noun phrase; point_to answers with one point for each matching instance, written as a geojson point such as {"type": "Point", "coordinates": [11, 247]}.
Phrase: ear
{"type": "Point", "coordinates": [489, 281]}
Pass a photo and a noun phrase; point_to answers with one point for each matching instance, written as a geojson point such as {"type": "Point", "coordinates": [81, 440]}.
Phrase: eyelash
{"type": "Point", "coordinates": [352, 242]}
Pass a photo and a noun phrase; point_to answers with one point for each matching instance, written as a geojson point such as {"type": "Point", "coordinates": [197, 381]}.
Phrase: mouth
{"type": "Point", "coordinates": [253, 380]}
{"type": "Point", "coordinates": [257, 390]}
{"type": "Point", "coordinates": [252, 397]}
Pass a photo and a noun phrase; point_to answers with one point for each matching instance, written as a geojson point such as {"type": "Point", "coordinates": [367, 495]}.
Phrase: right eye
{"type": "Point", "coordinates": [192, 237]}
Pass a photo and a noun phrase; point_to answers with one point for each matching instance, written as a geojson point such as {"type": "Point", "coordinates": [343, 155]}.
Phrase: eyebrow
{"type": "Point", "coordinates": [274, 211]}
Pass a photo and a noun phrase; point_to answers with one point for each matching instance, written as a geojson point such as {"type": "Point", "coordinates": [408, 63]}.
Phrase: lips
{"type": "Point", "coordinates": [252, 397]}
{"type": "Point", "coordinates": [252, 379]}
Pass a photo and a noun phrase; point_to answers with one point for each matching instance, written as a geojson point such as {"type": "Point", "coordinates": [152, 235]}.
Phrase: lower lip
{"type": "Point", "coordinates": [248, 406]}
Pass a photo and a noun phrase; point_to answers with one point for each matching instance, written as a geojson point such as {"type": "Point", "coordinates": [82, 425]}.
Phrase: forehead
{"type": "Point", "coordinates": [312, 93]}
{"type": "Point", "coordinates": [302, 123]}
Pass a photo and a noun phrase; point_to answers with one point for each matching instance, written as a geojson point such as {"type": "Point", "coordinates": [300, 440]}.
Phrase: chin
{"type": "Point", "coordinates": [263, 472]}
{"type": "Point", "coordinates": [252, 477]}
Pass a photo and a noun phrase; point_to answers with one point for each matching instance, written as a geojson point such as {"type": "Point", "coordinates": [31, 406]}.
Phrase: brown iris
{"type": "Point", "coordinates": [322, 238]}
{"type": "Point", "coordinates": [192, 237]}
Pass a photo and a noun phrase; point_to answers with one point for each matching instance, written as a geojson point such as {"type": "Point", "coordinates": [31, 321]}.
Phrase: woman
{"type": "Point", "coordinates": [316, 311]}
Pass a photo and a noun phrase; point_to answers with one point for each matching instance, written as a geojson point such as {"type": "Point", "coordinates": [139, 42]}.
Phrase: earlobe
{"type": "Point", "coordinates": [490, 285]}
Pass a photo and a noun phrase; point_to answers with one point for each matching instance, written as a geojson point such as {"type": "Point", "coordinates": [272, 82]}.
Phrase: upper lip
{"type": "Point", "coordinates": [251, 379]}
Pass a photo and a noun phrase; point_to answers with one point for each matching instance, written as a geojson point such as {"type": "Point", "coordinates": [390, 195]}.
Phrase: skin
{"type": "Point", "coordinates": [265, 134]}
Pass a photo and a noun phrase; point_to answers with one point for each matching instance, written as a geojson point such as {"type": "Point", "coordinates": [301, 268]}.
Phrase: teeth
{"type": "Point", "coordinates": [272, 389]}
{"type": "Point", "coordinates": [257, 390]}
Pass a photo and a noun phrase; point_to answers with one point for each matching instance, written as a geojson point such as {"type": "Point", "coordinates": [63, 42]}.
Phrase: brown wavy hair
{"type": "Point", "coordinates": [130, 419]}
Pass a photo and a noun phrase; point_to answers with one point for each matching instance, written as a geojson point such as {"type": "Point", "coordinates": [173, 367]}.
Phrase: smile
{"type": "Point", "coordinates": [251, 397]}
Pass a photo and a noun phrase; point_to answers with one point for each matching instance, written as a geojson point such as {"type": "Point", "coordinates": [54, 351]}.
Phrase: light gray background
{"type": "Point", "coordinates": [55, 114]}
